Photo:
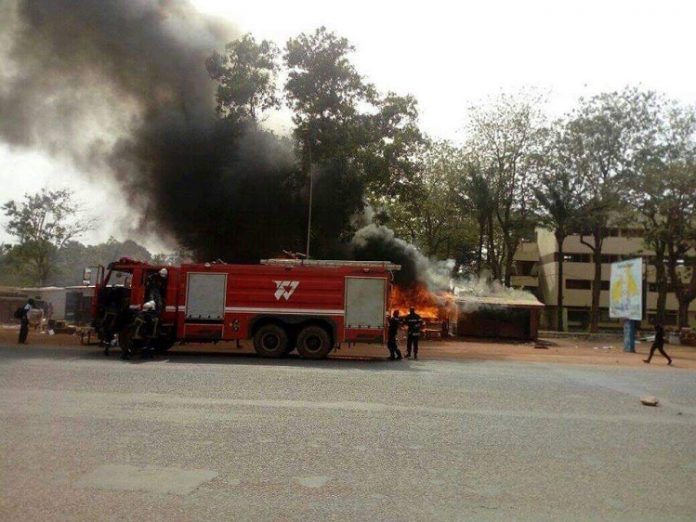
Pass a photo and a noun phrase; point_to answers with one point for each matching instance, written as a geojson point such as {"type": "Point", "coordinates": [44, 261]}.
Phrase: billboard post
{"type": "Point", "coordinates": [626, 297]}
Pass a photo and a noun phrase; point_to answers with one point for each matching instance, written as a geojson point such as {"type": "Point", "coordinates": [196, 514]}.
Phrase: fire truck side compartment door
{"type": "Point", "coordinates": [365, 302]}
{"type": "Point", "coordinates": [205, 297]}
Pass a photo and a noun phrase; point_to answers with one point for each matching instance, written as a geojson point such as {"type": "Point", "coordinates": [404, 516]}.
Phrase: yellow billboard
{"type": "Point", "coordinates": [626, 290]}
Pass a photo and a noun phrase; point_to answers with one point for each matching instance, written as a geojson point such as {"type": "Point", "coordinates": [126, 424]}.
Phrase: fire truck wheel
{"type": "Point", "coordinates": [314, 343]}
{"type": "Point", "coordinates": [162, 345]}
{"type": "Point", "coordinates": [129, 346]}
{"type": "Point", "coordinates": [271, 341]}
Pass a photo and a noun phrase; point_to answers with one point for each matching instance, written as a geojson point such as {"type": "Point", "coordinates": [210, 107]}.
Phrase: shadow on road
{"type": "Point", "coordinates": [337, 360]}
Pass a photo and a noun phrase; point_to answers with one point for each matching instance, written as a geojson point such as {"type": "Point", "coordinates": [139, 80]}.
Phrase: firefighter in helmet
{"type": "Point", "coordinates": [147, 321]}
{"type": "Point", "coordinates": [394, 325]}
{"type": "Point", "coordinates": [414, 324]}
{"type": "Point", "coordinates": [155, 288]}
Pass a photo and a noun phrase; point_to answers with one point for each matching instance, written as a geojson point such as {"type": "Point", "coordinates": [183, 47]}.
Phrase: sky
{"type": "Point", "coordinates": [449, 55]}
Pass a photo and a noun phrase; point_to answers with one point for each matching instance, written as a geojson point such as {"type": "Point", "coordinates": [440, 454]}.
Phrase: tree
{"type": "Point", "coordinates": [42, 224]}
{"type": "Point", "coordinates": [349, 138]}
{"type": "Point", "coordinates": [661, 191]}
{"type": "Point", "coordinates": [673, 171]}
{"type": "Point", "coordinates": [601, 140]}
{"type": "Point", "coordinates": [424, 206]}
{"type": "Point", "coordinates": [681, 237]}
{"type": "Point", "coordinates": [475, 198]}
{"type": "Point", "coordinates": [558, 206]}
{"type": "Point", "coordinates": [506, 139]}
{"type": "Point", "coordinates": [324, 90]}
{"type": "Point", "coordinates": [246, 73]}
{"type": "Point", "coordinates": [395, 149]}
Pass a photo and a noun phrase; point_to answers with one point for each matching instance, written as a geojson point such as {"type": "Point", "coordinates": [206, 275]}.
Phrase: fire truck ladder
{"type": "Point", "coordinates": [385, 265]}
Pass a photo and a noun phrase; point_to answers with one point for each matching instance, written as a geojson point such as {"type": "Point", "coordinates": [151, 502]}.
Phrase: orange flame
{"type": "Point", "coordinates": [428, 305]}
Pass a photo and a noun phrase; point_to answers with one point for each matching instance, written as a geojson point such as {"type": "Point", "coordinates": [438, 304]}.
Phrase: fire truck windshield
{"type": "Point", "coordinates": [118, 278]}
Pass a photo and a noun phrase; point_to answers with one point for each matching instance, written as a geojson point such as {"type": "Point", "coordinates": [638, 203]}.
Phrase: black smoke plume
{"type": "Point", "coordinates": [120, 87]}
{"type": "Point", "coordinates": [379, 242]}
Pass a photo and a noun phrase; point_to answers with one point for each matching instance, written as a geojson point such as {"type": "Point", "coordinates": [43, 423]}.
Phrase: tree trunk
{"type": "Point", "coordinates": [479, 253]}
{"type": "Point", "coordinates": [661, 282]}
{"type": "Point", "coordinates": [491, 254]}
{"type": "Point", "coordinates": [683, 315]}
{"type": "Point", "coordinates": [596, 289]}
{"type": "Point", "coordinates": [559, 308]}
{"type": "Point", "coordinates": [597, 281]}
{"type": "Point", "coordinates": [509, 260]}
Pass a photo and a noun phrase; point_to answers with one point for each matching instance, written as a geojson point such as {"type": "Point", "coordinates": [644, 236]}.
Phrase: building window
{"type": "Point", "coordinates": [575, 258]}
{"type": "Point", "coordinates": [610, 258]}
{"type": "Point", "coordinates": [525, 268]}
{"type": "Point", "coordinates": [604, 316]}
{"type": "Point", "coordinates": [670, 318]}
{"type": "Point", "coordinates": [579, 317]}
{"type": "Point", "coordinates": [605, 285]}
{"type": "Point", "coordinates": [632, 232]}
{"type": "Point", "coordinates": [578, 284]}
{"type": "Point", "coordinates": [652, 287]}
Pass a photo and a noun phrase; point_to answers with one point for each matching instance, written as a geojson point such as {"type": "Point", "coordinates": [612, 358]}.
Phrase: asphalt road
{"type": "Point", "coordinates": [217, 437]}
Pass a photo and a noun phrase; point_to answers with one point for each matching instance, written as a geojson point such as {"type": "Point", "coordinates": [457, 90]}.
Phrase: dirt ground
{"type": "Point", "coordinates": [607, 351]}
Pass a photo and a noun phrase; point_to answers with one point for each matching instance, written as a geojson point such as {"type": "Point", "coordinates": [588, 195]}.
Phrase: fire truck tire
{"type": "Point", "coordinates": [271, 340]}
{"type": "Point", "coordinates": [129, 347]}
{"type": "Point", "coordinates": [314, 342]}
{"type": "Point", "coordinates": [162, 345]}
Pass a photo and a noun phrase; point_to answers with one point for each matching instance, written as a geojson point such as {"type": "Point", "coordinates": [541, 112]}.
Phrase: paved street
{"type": "Point", "coordinates": [222, 437]}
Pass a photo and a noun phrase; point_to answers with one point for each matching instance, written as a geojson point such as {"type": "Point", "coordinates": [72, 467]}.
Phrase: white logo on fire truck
{"type": "Point", "coordinates": [285, 289]}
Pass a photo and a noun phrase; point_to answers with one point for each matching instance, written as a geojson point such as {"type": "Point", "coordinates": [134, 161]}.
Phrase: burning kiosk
{"type": "Point", "coordinates": [502, 317]}
{"type": "Point", "coordinates": [509, 314]}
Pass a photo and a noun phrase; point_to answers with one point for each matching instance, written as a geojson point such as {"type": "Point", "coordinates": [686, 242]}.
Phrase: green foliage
{"type": "Point", "coordinates": [558, 190]}
{"type": "Point", "coordinates": [323, 87]}
{"type": "Point", "coordinates": [662, 192]}
{"type": "Point", "coordinates": [423, 206]}
{"type": "Point", "coordinates": [506, 142]}
{"type": "Point", "coordinates": [246, 73]}
{"type": "Point", "coordinates": [348, 136]}
{"type": "Point", "coordinates": [42, 223]}
{"type": "Point", "coordinates": [395, 146]}
{"type": "Point", "coordinates": [599, 145]}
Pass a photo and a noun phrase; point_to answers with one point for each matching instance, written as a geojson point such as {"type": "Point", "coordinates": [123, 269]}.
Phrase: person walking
{"type": "Point", "coordinates": [658, 344]}
{"type": "Point", "coordinates": [414, 323]}
{"type": "Point", "coordinates": [394, 324]}
{"type": "Point", "coordinates": [24, 321]}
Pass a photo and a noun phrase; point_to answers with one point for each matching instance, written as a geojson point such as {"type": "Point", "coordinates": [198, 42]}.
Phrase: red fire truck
{"type": "Point", "coordinates": [282, 304]}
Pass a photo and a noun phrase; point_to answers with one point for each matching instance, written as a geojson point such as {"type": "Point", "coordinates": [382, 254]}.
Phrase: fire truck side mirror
{"type": "Point", "coordinates": [87, 276]}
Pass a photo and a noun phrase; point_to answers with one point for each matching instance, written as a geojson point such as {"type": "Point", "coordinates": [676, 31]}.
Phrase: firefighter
{"type": "Point", "coordinates": [394, 324]}
{"type": "Point", "coordinates": [414, 324]}
{"type": "Point", "coordinates": [155, 288]}
{"type": "Point", "coordinates": [24, 321]}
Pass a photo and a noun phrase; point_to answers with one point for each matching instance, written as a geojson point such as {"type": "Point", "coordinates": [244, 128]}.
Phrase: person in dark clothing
{"type": "Point", "coordinates": [24, 321]}
{"type": "Point", "coordinates": [414, 323]}
{"type": "Point", "coordinates": [155, 289]}
{"type": "Point", "coordinates": [658, 344]}
{"type": "Point", "coordinates": [394, 324]}
{"type": "Point", "coordinates": [147, 320]}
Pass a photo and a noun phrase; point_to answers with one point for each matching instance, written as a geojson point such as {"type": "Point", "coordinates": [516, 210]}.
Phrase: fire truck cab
{"type": "Point", "coordinates": [312, 306]}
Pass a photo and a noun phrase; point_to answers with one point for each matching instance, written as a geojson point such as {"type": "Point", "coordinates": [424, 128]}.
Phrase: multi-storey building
{"type": "Point", "coordinates": [536, 265]}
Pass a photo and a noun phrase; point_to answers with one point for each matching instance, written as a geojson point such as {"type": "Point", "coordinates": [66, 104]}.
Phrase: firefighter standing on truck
{"type": "Point", "coordinates": [413, 323]}
{"type": "Point", "coordinates": [147, 321]}
{"type": "Point", "coordinates": [394, 324]}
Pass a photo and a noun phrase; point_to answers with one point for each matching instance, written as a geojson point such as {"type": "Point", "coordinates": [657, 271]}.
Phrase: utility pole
{"type": "Point", "coordinates": [309, 172]}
